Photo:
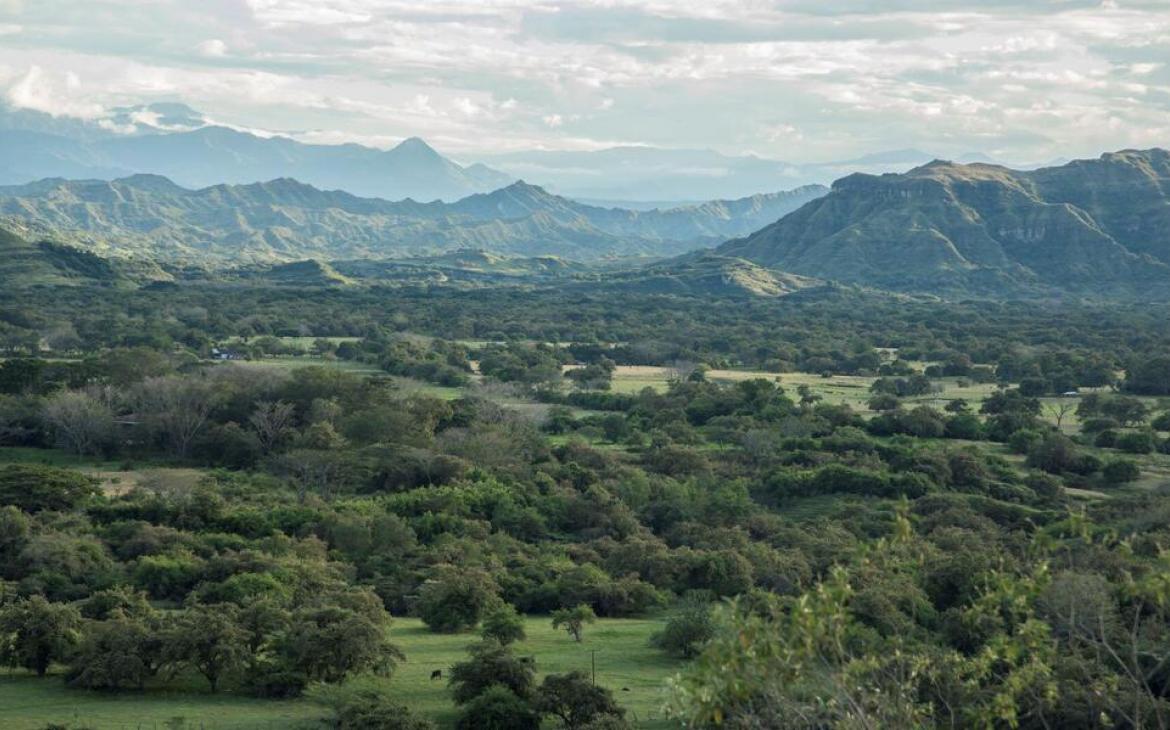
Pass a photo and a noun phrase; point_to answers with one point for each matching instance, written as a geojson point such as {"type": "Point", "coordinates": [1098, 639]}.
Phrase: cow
{"type": "Point", "coordinates": [437, 674]}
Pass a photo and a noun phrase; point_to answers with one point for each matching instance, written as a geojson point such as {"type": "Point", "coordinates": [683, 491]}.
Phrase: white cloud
{"type": "Point", "coordinates": [57, 96]}
{"type": "Point", "coordinates": [212, 48]}
{"type": "Point", "coordinates": [1027, 78]}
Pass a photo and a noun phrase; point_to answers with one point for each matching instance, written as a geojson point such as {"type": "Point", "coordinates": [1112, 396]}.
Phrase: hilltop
{"type": "Point", "coordinates": [1089, 227]}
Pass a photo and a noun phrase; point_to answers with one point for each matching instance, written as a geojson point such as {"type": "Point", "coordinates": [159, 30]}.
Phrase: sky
{"type": "Point", "coordinates": [795, 80]}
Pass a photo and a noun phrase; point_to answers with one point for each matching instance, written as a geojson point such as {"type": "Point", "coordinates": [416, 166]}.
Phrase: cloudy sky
{"type": "Point", "coordinates": [799, 80]}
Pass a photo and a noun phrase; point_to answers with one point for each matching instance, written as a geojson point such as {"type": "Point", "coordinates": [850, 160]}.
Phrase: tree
{"type": "Point", "coordinates": [1059, 410]}
{"type": "Point", "coordinates": [1121, 471]}
{"type": "Point", "coordinates": [573, 619]}
{"type": "Point", "coordinates": [209, 639]}
{"type": "Point", "coordinates": [367, 708]}
{"type": "Point", "coordinates": [1135, 442]}
{"type": "Point", "coordinates": [34, 633]}
{"type": "Point", "coordinates": [498, 708]}
{"type": "Point", "coordinates": [503, 624]}
{"type": "Point", "coordinates": [490, 663]}
{"type": "Point", "coordinates": [456, 599]}
{"type": "Point", "coordinates": [575, 701]}
{"type": "Point", "coordinates": [175, 410]}
{"type": "Point", "coordinates": [317, 471]}
{"type": "Point", "coordinates": [1149, 377]}
{"type": "Point", "coordinates": [328, 643]}
{"type": "Point", "coordinates": [35, 488]}
{"type": "Point", "coordinates": [122, 651]}
{"type": "Point", "coordinates": [686, 632]}
{"type": "Point", "coordinates": [273, 422]}
{"type": "Point", "coordinates": [82, 423]}
{"type": "Point", "coordinates": [1054, 454]}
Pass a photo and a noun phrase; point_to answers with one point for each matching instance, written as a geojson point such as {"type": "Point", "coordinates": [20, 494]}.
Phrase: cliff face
{"type": "Point", "coordinates": [1095, 226]}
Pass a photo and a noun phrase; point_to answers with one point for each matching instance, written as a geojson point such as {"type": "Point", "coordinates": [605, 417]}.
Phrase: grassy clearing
{"type": "Point", "coordinates": [623, 659]}
{"type": "Point", "coordinates": [114, 476]}
{"type": "Point", "coordinates": [619, 646]}
{"type": "Point", "coordinates": [295, 362]}
{"type": "Point", "coordinates": [28, 703]}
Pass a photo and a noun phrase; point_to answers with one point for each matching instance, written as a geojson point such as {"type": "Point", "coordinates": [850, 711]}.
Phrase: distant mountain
{"type": "Point", "coordinates": [175, 141]}
{"type": "Point", "coordinates": [634, 173]}
{"type": "Point", "coordinates": [285, 221]}
{"type": "Point", "coordinates": [1089, 227]}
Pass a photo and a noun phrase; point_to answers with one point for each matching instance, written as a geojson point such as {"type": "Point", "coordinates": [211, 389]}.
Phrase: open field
{"type": "Point", "coordinates": [623, 660]}
{"type": "Point", "coordinates": [115, 477]}
{"type": "Point", "coordinates": [294, 362]}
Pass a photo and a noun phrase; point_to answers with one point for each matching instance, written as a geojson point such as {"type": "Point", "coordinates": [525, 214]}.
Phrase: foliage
{"type": "Point", "coordinates": [574, 619]}
{"type": "Point", "coordinates": [490, 664]}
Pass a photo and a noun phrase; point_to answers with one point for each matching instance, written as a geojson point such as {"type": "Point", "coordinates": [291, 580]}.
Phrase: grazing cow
{"type": "Point", "coordinates": [437, 674]}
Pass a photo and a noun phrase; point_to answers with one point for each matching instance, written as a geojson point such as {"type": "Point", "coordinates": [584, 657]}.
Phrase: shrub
{"type": "Point", "coordinates": [490, 664]}
{"type": "Point", "coordinates": [34, 488]}
{"type": "Point", "coordinates": [456, 600]}
{"type": "Point", "coordinates": [1135, 442]}
{"type": "Point", "coordinates": [1106, 439]}
{"type": "Point", "coordinates": [498, 708]}
{"type": "Point", "coordinates": [686, 632]}
{"type": "Point", "coordinates": [1121, 471]}
{"type": "Point", "coordinates": [503, 624]}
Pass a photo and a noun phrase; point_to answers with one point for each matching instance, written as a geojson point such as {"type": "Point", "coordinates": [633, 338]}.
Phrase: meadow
{"type": "Point", "coordinates": [617, 648]}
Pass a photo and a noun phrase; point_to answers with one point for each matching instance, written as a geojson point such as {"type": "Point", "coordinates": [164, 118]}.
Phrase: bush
{"type": "Point", "coordinates": [1023, 441]}
{"type": "Point", "coordinates": [503, 624]}
{"type": "Point", "coordinates": [34, 488]}
{"type": "Point", "coordinates": [490, 664]}
{"type": "Point", "coordinates": [686, 633]}
{"type": "Point", "coordinates": [576, 702]}
{"type": "Point", "coordinates": [1096, 425]}
{"type": "Point", "coordinates": [1161, 422]}
{"type": "Point", "coordinates": [456, 600]}
{"type": "Point", "coordinates": [498, 708]}
{"type": "Point", "coordinates": [1121, 471]}
{"type": "Point", "coordinates": [368, 709]}
{"type": "Point", "coordinates": [1135, 442]}
{"type": "Point", "coordinates": [1106, 439]}
{"type": "Point", "coordinates": [964, 426]}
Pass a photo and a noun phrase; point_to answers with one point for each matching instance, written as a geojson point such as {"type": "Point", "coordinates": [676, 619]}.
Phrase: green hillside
{"type": "Point", "coordinates": [47, 263]}
{"type": "Point", "coordinates": [1090, 227]}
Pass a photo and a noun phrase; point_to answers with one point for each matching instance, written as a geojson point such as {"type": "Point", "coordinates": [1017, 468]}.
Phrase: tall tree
{"type": "Point", "coordinates": [34, 633]}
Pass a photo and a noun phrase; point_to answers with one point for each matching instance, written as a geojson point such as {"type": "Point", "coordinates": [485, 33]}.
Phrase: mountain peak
{"type": "Point", "coordinates": [520, 186]}
{"type": "Point", "coordinates": [414, 146]}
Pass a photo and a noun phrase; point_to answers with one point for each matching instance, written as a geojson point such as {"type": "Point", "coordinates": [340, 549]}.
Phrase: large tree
{"type": "Point", "coordinates": [209, 639]}
{"type": "Point", "coordinates": [34, 633]}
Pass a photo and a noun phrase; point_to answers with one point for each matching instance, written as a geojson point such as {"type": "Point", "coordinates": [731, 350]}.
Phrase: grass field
{"type": "Point", "coordinates": [294, 362]}
{"type": "Point", "coordinates": [619, 647]}
{"type": "Point", "coordinates": [115, 477]}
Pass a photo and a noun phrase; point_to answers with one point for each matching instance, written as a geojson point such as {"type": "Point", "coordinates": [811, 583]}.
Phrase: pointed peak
{"type": "Point", "coordinates": [521, 186]}
{"type": "Point", "coordinates": [414, 144]}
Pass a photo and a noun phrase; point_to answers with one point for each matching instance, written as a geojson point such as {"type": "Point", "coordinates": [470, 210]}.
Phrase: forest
{"type": "Point", "coordinates": [834, 510]}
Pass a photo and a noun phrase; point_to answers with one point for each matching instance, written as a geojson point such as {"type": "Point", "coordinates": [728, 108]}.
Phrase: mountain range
{"type": "Point", "coordinates": [185, 145]}
{"type": "Point", "coordinates": [285, 220]}
{"type": "Point", "coordinates": [1088, 227]}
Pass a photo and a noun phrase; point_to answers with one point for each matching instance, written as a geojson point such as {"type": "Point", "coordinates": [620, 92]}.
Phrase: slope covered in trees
{"type": "Point", "coordinates": [1089, 227]}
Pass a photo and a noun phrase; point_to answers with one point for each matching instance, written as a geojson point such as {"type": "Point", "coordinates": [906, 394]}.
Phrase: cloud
{"type": "Point", "coordinates": [212, 48]}
{"type": "Point", "coordinates": [40, 92]}
{"type": "Point", "coordinates": [799, 79]}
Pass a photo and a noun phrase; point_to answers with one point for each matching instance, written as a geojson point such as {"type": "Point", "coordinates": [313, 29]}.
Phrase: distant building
{"type": "Point", "coordinates": [225, 354]}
